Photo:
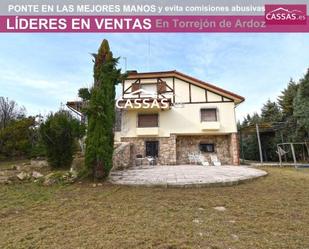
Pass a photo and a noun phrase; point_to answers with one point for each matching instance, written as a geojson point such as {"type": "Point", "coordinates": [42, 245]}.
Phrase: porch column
{"type": "Point", "coordinates": [234, 149]}
{"type": "Point", "coordinates": [173, 150]}
{"type": "Point", "coordinates": [167, 152]}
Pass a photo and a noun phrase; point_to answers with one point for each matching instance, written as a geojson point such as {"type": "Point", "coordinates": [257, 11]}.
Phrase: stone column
{"type": "Point", "coordinates": [172, 149]}
{"type": "Point", "coordinates": [167, 152]}
{"type": "Point", "coordinates": [234, 149]}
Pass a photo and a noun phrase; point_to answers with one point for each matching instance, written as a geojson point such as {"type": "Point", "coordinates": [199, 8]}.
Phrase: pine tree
{"type": "Point", "coordinates": [301, 107]}
{"type": "Point", "coordinates": [101, 113]}
{"type": "Point", "coordinates": [271, 112]}
{"type": "Point", "coordinates": [292, 111]}
{"type": "Point", "coordinates": [84, 94]}
{"type": "Point", "coordinates": [248, 143]}
{"type": "Point", "coordinates": [286, 100]}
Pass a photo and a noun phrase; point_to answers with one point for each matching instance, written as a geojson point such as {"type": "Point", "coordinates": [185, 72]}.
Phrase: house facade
{"type": "Point", "coordinates": [168, 115]}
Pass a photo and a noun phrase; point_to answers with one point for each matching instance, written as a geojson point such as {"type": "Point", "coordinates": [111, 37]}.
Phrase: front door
{"type": "Point", "coordinates": [152, 148]}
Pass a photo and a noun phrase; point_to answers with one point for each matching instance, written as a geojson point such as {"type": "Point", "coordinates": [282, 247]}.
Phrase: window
{"type": "Point", "coordinates": [150, 88]}
{"type": "Point", "coordinates": [148, 120]}
{"type": "Point", "coordinates": [209, 115]}
{"type": "Point", "coordinates": [207, 147]}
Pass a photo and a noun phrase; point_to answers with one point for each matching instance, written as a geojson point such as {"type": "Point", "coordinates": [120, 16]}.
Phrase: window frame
{"type": "Point", "coordinates": [147, 114]}
{"type": "Point", "coordinates": [207, 144]}
{"type": "Point", "coordinates": [209, 108]}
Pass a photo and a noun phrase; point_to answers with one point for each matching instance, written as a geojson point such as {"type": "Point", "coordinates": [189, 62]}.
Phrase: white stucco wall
{"type": "Point", "coordinates": [184, 120]}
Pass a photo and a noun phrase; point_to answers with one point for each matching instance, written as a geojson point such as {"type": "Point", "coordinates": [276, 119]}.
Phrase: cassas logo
{"type": "Point", "coordinates": [284, 14]}
{"type": "Point", "coordinates": [143, 99]}
{"type": "Point", "coordinates": [288, 14]}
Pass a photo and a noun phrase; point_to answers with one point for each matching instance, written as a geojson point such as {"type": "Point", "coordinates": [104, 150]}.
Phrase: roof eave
{"type": "Point", "coordinates": [237, 98]}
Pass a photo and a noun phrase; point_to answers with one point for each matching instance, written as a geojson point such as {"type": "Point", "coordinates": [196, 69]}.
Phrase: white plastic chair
{"type": "Point", "coordinates": [191, 158]}
{"type": "Point", "coordinates": [203, 161]}
{"type": "Point", "coordinates": [196, 158]}
{"type": "Point", "coordinates": [151, 160]}
{"type": "Point", "coordinates": [215, 161]}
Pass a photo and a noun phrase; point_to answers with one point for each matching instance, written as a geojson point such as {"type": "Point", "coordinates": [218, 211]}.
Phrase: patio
{"type": "Point", "coordinates": [185, 176]}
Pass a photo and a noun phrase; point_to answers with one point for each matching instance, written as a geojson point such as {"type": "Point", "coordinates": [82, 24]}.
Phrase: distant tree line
{"type": "Point", "coordinates": [23, 136]}
{"type": "Point", "coordinates": [288, 117]}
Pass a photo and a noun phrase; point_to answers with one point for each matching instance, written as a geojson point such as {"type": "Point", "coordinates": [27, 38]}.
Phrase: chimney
{"type": "Point", "coordinates": [131, 72]}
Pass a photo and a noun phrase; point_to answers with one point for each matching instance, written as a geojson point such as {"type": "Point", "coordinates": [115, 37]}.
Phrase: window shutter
{"type": "Point", "coordinates": [148, 120]}
{"type": "Point", "coordinates": [161, 87]}
{"type": "Point", "coordinates": [135, 87]}
{"type": "Point", "coordinates": [208, 115]}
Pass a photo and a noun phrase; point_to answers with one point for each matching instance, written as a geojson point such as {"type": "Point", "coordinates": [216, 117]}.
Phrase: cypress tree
{"type": "Point", "coordinates": [101, 113]}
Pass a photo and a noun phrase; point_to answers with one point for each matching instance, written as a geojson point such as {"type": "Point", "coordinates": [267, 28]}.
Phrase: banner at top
{"type": "Point", "coordinates": [154, 16]}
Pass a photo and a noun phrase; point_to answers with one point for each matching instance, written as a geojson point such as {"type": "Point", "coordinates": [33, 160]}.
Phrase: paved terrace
{"type": "Point", "coordinates": [185, 176]}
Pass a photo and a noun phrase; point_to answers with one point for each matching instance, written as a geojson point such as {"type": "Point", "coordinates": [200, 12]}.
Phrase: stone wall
{"type": "Point", "coordinates": [122, 157]}
{"type": "Point", "coordinates": [174, 149]}
{"type": "Point", "coordinates": [234, 149]}
{"type": "Point", "coordinates": [190, 144]}
{"type": "Point", "coordinates": [167, 148]}
{"type": "Point", "coordinates": [167, 151]}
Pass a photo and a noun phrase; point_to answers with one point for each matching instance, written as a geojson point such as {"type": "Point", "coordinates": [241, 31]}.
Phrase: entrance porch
{"type": "Point", "coordinates": [176, 148]}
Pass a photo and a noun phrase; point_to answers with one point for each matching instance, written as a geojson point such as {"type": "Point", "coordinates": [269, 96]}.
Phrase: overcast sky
{"type": "Point", "coordinates": [41, 71]}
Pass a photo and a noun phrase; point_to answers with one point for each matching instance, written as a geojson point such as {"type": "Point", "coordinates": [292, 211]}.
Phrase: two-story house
{"type": "Point", "coordinates": [169, 115]}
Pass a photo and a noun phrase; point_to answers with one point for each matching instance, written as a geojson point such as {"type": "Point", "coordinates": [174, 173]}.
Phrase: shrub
{"type": "Point", "coordinates": [15, 138]}
{"type": "Point", "coordinates": [38, 150]}
{"type": "Point", "coordinates": [58, 135]}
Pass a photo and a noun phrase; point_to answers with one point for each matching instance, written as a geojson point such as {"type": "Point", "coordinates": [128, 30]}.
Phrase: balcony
{"type": "Point", "coordinates": [147, 131]}
{"type": "Point", "coordinates": [210, 126]}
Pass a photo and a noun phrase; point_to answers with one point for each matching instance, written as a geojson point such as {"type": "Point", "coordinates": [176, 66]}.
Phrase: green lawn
{"type": "Point", "coordinates": [270, 212]}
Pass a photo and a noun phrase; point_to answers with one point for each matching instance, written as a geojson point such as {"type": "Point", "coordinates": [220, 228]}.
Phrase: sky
{"type": "Point", "coordinates": [43, 71]}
